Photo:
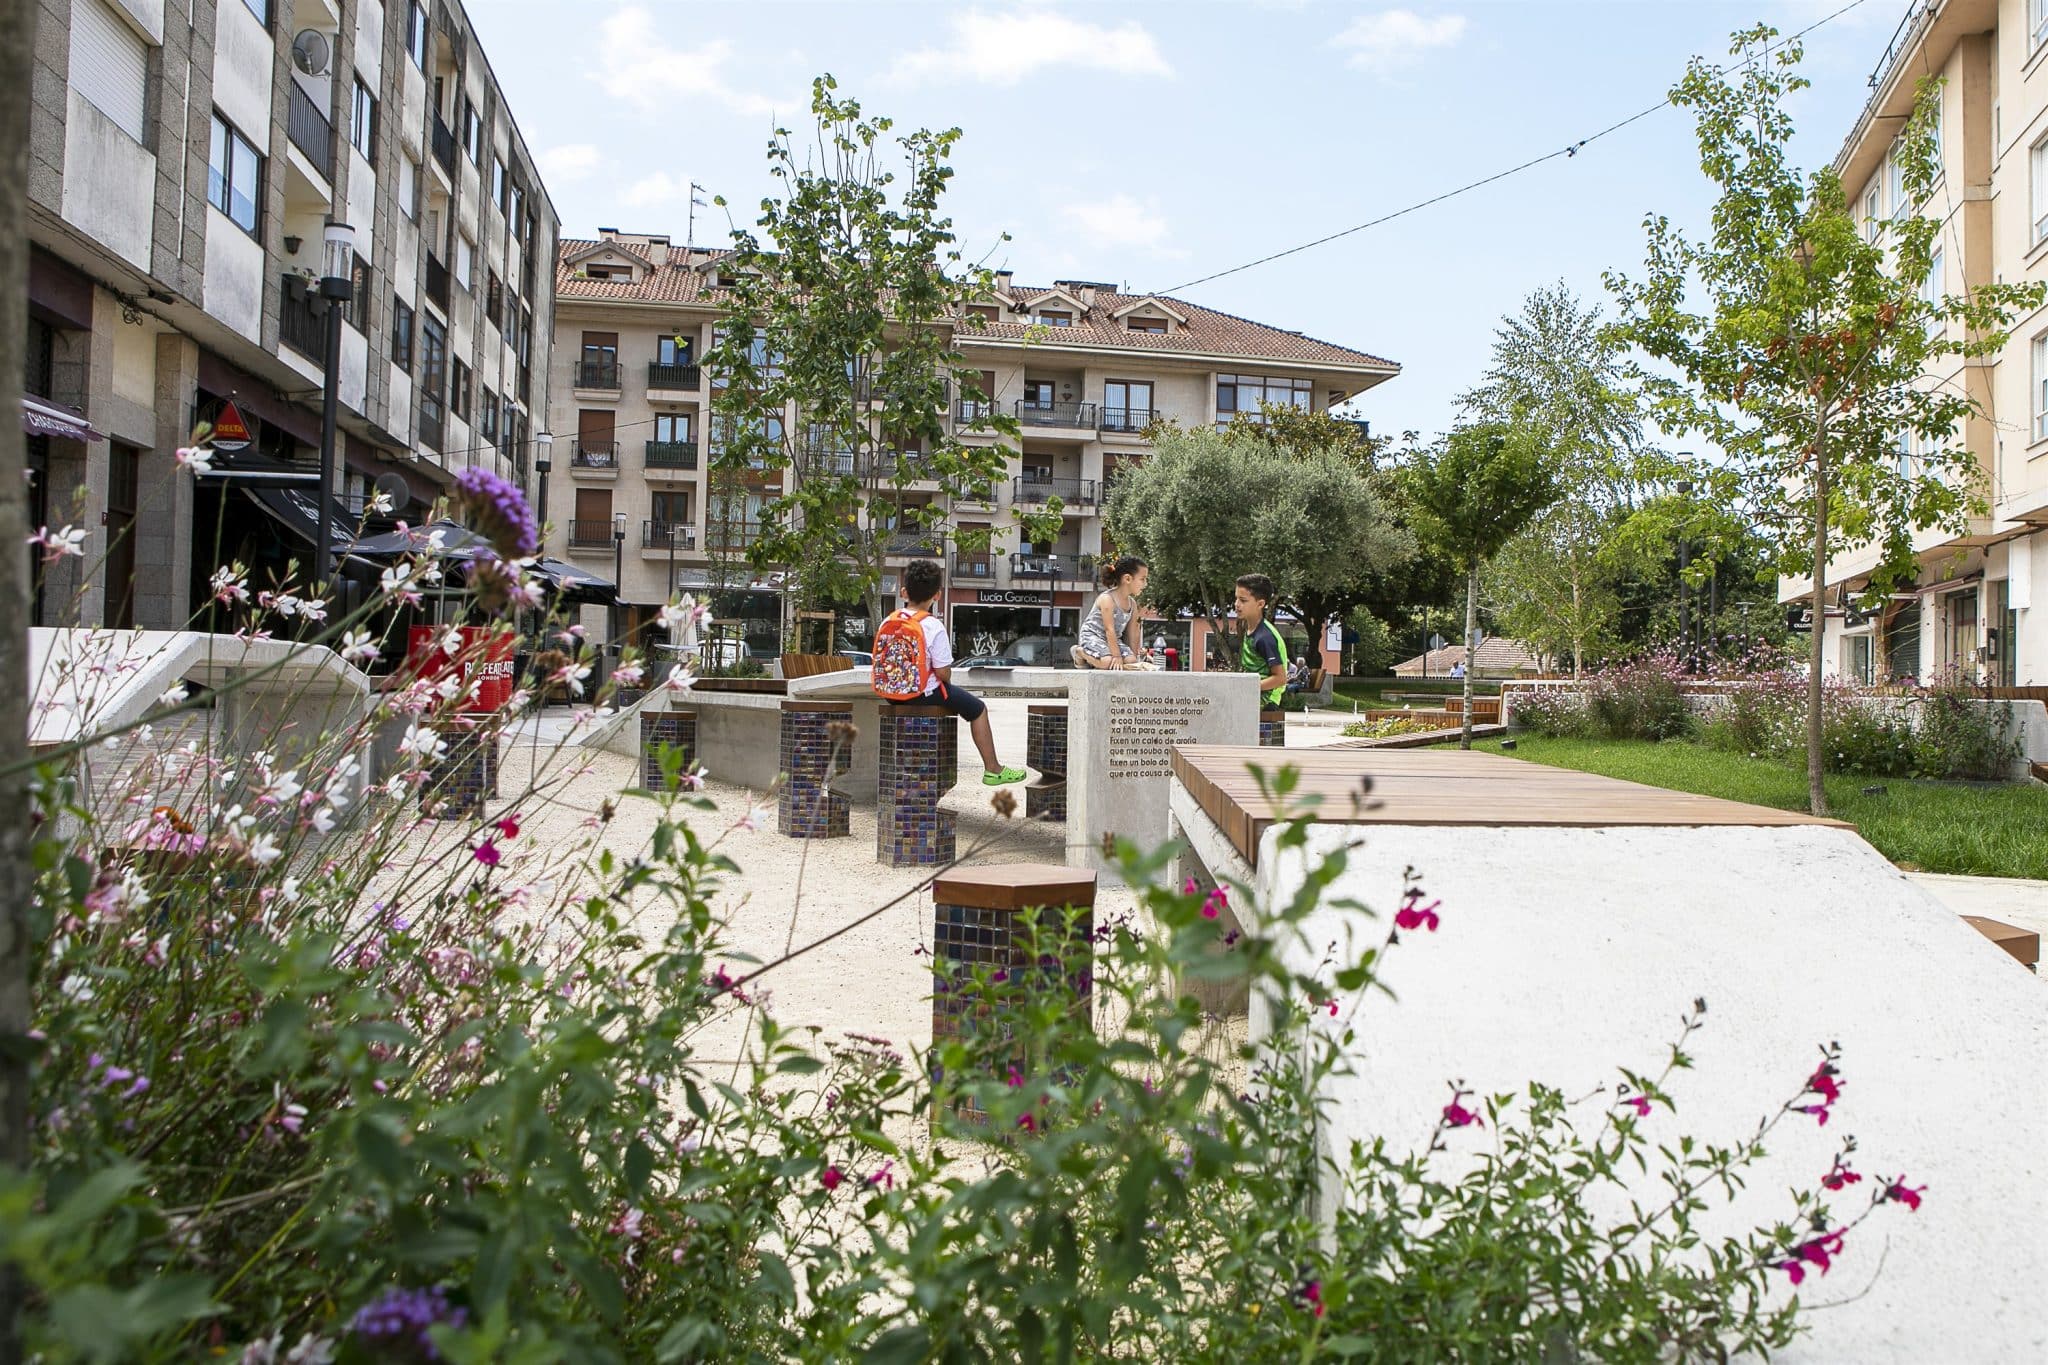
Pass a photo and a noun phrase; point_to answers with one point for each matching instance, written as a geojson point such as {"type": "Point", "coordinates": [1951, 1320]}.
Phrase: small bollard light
{"type": "Point", "coordinates": [1507, 746]}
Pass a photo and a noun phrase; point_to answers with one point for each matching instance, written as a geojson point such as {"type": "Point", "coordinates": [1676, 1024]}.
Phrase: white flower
{"type": "Point", "coordinates": [679, 679]}
{"type": "Point", "coordinates": [76, 988]}
{"type": "Point", "coordinates": [57, 544]}
{"type": "Point", "coordinates": [264, 849]}
{"type": "Point", "coordinates": [358, 648]}
{"type": "Point", "coordinates": [573, 676]}
{"type": "Point", "coordinates": [313, 608]}
{"type": "Point", "coordinates": [228, 586]}
{"type": "Point", "coordinates": [289, 892]}
{"type": "Point", "coordinates": [451, 641]}
{"type": "Point", "coordinates": [323, 820]}
{"type": "Point", "coordinates": [145, 734]}
{"type": "Point", "coordinates": [628, 675]}
{"type": "Point", "coordinates": [198, 459]}
{"type": "Point", "coordinates": [402, 580]}
{"type": "Point", "coordinates": [172, 695]}
{"type": "Point", "coordinates": [423, 743]}
{"type": "Point", "coordinates": [281, 788]}
{"type": "Point", "coordinates": [448, 686]}
{"type": "Point", "coordinates": [395, 786]}
{"type": "Point", "coordinates": [379, 504]}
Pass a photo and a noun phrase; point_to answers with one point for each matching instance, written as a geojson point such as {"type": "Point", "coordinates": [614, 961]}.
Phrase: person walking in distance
{"type": "Point", "coordinates": [1264, 653]}
{"type": "Point", "coordinates": [1112, 636]}
{"type": "Point", "coordinates": [914, 667]}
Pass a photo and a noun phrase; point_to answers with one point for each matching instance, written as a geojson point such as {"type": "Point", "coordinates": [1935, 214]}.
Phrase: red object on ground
{"type": "Point", "coordinates": [485, 655]}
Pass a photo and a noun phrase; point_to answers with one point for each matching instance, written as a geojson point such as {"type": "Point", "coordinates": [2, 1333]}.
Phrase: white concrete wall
{"type": "Point", "coordinates": [134, 367]}
{"type": "Point", "coordinates": [147, 16]}
{"type": "Point", "coordinates": [355, 369]}
{"type": "Point", "coordinates": [1564, 953]}
{"type": "Point", "coordinates": [242, 60]}
{"type": "Point", "coordinates": [109, 182]}
{"type": "Point", "coordinates": [234, 275]}
{"type": "Point", "coordinates": [362, 199]}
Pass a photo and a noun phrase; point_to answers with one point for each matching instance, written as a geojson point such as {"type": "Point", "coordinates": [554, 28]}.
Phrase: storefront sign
{"type": "Point", "coordinates": [1010, 597]}
{"type": "Point", "coordinates": [230, 432]}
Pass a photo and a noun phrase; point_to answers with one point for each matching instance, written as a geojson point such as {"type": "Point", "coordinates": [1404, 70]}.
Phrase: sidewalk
{"type": "Point", "coordinates": [2009, 900]}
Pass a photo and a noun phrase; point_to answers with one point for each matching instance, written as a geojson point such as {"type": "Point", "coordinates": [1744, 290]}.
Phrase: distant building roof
{"type": "Point", "coordinates": [1497, 654]}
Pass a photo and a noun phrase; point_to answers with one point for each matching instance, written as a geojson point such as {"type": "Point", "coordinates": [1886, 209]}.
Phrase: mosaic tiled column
{"type": "Point", "coordinates": [674, 729]}
{"type": "Point", "coordinates": [1045, 748]}
{"type": "Point", "coordinates": [808, 807]}
{"type": "Point", "coordinates": [977, 915]}
{"type": "Point", "coordinates": [1273, 729]}
{"type": "Point", "coordinates": [460, 782]}
{"type": "Point", "coordinates": [920, 762]}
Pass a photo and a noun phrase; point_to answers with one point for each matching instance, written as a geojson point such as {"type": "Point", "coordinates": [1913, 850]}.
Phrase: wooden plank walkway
{"type": "Point", "coordinates": [1443, 787]}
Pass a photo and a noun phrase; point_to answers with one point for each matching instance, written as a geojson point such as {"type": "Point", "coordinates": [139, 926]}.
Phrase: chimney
{"type": "Point", "coordinates": [605, 234]}
{"type": "Point", "coordinates": [1003, 278]}
{"type": "Point", "coordinates": [1087, 296]}
{"type": "Point", "coordinates": [657, 249]}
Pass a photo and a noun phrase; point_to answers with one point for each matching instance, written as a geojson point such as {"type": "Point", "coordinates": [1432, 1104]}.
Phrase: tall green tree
{"type": "Point", "coordinates": [1469, 495]}
{"type": "Point", "coordinates": [1809, 360]}
{"type": "Point", "coordinates": [1207, 506]}
{"type": "Point", "coordinates": [1557, 369]}
{"type": "Point", "coordinates": [834, 363]}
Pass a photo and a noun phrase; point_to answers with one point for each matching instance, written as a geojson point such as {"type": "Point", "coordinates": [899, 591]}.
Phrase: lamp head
{"type": "Point", "coordinates": [544, 447]}
{"type": "Point", "coordinates": [339, 254]}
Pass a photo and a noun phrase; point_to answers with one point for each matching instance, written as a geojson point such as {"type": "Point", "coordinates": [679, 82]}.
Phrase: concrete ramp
{"type": "Point", "coordinates": [1570, 946]}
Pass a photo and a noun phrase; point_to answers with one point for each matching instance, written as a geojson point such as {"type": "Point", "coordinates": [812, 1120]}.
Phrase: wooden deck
{"type": "Point", "coordinates": [1443, 787]}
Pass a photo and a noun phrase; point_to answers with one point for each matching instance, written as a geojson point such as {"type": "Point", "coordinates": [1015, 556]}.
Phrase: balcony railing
{"type": "Point", "coordinates": [662, 535]}
{"type": "Point", "coordinates": [1055, 414]}
{"type": "Point", "coordinates": [976, 568]}
{"type": "Point", "coordinates": [925, 544]}
{"type": "Point", "coordinates": [309, 129]}
{"type": "Point", "coordinates": [660, 376]}
{"type": "Point", "coordinates": [1071, 492]}
{"type": "Point", "coordinates": [590, 535]}
{"type": "Point", "coordinates": [430, 427]}
{"type": "Point", "coordinates": [672, 454]}
{"type": "Point", "coordinates": [299, 319]}
{"type": "Point", "coordinates": [444, 144]}
{"type": "Point", "coordinates": [720, 540]}
{"type": "Point", "coordinates": [599, 455]}
{"type": "Point", "coordinates": [818, 463]}
{"type": "Point", "coordinates": [437, 281]}
{"type": "Point", "coordinates": [973, 410]}
{"type": "Point", "coordinates": [1054, 568]}
{"type": "Point", "coordinates": [1127, 419]}
{"type": "Point", "coordinates": [597, 374]}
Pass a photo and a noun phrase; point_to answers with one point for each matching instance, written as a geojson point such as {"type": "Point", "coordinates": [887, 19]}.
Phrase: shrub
{"type": "Point", "coordinates": [1963, 734]}
{"type": "Point", "coordinates": [1640, 699]}
{"type": "Point", "coordinates": [1388, 727]}
{"type": "Point", "coordinates": [1557, 713]}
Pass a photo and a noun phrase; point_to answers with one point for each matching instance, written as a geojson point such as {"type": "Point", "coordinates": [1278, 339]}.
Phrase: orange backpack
{"type": "Point", "coordinates": [902, 669]}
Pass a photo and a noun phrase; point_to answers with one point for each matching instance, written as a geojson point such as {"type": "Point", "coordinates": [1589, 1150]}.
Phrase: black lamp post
{"type": "Point", "coordinates": [1685, 649]}
{"type": "Point", "coordinates": [543, 448]}
{"type": "Point", "coordinates": [1052, 602]}
{"type": "Point", "coordinates": [337, 287]}
{"type": "Point", "coordinates": [618, 574]}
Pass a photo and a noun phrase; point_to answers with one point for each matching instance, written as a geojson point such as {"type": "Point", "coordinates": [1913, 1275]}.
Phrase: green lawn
{"type": "Point", "coordinates": [1921, 826]}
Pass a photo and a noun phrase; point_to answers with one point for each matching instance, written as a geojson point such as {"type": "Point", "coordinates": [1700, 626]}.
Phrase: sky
{"type": "Point", "coordinates": [1151, 145]}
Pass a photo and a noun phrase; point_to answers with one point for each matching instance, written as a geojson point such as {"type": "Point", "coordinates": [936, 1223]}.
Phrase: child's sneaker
{"type": "Point", "coordinates": [1003, 778]}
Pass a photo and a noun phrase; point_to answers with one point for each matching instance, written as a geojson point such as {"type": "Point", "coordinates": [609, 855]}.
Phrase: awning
{"type": "Point", "coordinates": [457, 541]}
{"type": "Point", "coordinates": [299, 511]}
{"type": "Point", "coordinates": [252, 469]}
{"type": "Point", "coordinates": [572, 584]}
{"type": "Point", "coordinates": [47, 419]}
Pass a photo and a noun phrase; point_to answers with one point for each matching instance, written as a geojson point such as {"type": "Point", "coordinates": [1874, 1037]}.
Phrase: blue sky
{"type": "Point", "coordinates": [1152, 144]}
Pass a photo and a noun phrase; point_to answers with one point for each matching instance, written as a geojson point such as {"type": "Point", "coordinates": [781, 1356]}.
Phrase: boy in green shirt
{"type": "Point", "coordinates": [1265, 652]}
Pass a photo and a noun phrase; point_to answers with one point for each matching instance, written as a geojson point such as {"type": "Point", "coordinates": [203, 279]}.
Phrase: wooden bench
{"type": "Point", "coordinates": [2023, 945]}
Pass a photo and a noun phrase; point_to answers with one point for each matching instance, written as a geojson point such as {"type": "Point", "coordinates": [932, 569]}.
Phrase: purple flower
{"type": "Point", "coordinates": [498, 510]}
{"type": "Point", "coordinates": [394, 1325]}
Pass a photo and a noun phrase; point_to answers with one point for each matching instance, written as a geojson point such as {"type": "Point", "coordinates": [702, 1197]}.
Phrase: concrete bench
{"type": "Point", "coordinates": [919, 763]}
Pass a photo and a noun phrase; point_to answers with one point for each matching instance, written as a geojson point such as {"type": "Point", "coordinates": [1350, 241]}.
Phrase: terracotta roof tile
{"type": "Point", "coordinates": [1208, 331]}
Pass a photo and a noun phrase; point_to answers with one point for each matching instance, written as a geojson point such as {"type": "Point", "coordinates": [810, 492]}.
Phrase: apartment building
{"type": "Point", "coordinates": [185, 163]}
{"type": "Point", "coordinates": [1971, 608]}
{"type": "Point", "coordinates": [1083, 368]}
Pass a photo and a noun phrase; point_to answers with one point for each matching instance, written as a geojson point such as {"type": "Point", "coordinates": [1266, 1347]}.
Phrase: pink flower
{"type": "Point", "coordinates": [886, 1177]}
{"type": "Point", "coordinates": [1824, 1084]}
{"type": "Point", "coordinates": [1640, 1103]}
{"type": "Point", "coordinates": [1215, 903]}
{"type": "Point", "coordinates": [1311, 1293]}
{"type": "Point", "coordinates": [487, 854]}
{"type": "Point", "coordinates": [1415, 915]}
{"type": "Point", "coordinates": [1190, 888]}
{"type": "Point", "coordinates": [1016, 1077]}
{"type": "Point", "coordinates": [1909, 1195]}
{"type": "Point", "coordinates": [831, 1178]}
{"type": "Point", "coordinates": [509, 827]}
{"type": "Point", "coordinates": [1840, 1178]}
{"type": "Point", "coordinates": [1456, 1115]}
{"type": "Point", "coordinates": [1821, 1251]}
{"type": "Point", "coordinates": [1819, 1111]}
{"type": "Point", "coordinates": [1027, 1123]}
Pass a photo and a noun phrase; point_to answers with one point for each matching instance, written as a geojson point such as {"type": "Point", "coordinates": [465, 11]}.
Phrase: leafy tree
{"type": "Point", "coordinates": [834, 361]}
{"type": "Point", "coordinates": [1471, 494]}
{"type": "Point", "coordinates": [1556, 368]}
{"type": "Point", "coordinates": [1807, 366]}
{"type": "Point", "coordinates": [1207, 506]}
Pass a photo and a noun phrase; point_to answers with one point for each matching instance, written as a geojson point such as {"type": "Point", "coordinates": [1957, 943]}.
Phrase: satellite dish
{"type": "Point", "coordinates": [393, 486]}
{"type": "Point", "coordinates": [310, 52]}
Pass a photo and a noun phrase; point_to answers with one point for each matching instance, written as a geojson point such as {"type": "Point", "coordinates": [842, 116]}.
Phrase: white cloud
{"type": "Point", "coordinates": [643, 71]}
{"type": "Point", "coordinates": [1005, 49]}
{"type": "Point", "coordinates": [659, 188]}
{"type": "Point", "coordinates": [1121, 222]}
{"type": "Point", "coordinates": [1397, 38]}
{"type": "Point", "coordinates": [571, 162]}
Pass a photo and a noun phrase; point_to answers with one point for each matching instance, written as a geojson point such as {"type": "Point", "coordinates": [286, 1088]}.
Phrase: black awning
{"type": "Point", "coordinates": [39, 418]}
{"type": "Point", "coordinates": [572, 584]}
{"type": "Point", "coordinates": [297, 508]}
{"type": "Point", "coordinates": [457, 541]}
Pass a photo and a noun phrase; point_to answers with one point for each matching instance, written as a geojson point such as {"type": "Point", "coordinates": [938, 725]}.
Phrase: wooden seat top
{"type": "Point", "coordinates": [1014, 886]}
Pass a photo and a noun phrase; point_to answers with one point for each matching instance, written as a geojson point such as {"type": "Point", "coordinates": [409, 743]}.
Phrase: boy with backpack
{"type": "Point", "coordinates": [914, 667]}
{"type": "Point", "coordinates": [1264, 651]}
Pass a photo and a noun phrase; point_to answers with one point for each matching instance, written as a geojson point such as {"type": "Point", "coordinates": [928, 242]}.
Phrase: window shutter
{"type": "Point", "coordinates": [109, 64]}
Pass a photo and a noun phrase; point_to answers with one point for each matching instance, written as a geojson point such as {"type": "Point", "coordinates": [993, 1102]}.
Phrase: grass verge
{"type": "Point", "coordinates": [1982, 831]}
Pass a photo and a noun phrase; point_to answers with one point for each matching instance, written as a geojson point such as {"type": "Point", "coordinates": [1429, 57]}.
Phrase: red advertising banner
{"type": "Point", "coordinates": [485, 657]}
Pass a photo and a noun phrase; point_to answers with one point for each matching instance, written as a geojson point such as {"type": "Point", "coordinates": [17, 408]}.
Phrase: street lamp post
{"type": "Point", "coordinates": [337, 287]}
{"type": "Point", "coordinates": [1685, 650]}
{"type": "Point", "coordinates": [1052, 602]}
{"type": "Point", "coordinates": [618, 575]}
{"type": "Point", "coordinates": [543, 449]}
{"type": "Point", "coordinates": [670, 529]}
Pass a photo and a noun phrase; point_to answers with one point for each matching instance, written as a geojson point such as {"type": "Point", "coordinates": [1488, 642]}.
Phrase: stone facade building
{"type": "Point", "coordinates": [1082, 367]}
{"type": "Point", "coordinates": [184, 163]}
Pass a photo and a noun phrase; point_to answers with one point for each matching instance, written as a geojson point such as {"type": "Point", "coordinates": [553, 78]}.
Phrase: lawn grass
{"type": "Point", "coordinates": [1984, 831]}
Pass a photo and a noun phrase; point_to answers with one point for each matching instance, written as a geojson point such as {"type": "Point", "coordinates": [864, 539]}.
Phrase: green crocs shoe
{"type": "Point", "coordinates": [1003, 778]}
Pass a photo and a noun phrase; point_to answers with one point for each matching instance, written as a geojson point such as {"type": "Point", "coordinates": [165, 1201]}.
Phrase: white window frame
{"type": "Point", "coordinates": [2037, 23]}
{"type": "Point", "coordinates": [2037, 172]}
{"type": "Point", "coordinates": [1895, 184]}
{"type": "Point", "coordinates": [1935, 286]}
{"type": "Point", "coordinates": [409, 188]}
{"type": "Point", "coordinates": [362, 121]}
{"type": "Point", "coordinates": [2040, 386]}
{"type": "Point", "coordinates": [110, 66]}
{"type": "Point", "coordinates": [1873, 210]}
{"type": "Point", "coordinates": [465, 260]}
{"type": "Point", "coordinates": [416, 33]}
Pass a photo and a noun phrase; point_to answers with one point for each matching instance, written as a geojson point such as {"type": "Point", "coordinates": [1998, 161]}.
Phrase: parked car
{"type": "Point", "coordinates": [859, 657]}
{"type": "Point", "coordinates": [991, 661]}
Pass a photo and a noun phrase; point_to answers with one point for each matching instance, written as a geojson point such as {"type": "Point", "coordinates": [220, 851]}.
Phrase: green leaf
{"type": "Point", "coordinates": [905, 1345]}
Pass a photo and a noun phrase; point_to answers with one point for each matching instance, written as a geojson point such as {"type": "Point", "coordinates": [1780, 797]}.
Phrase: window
{"type": "Point", "coordinates": [109, 65]}
{"type": "Point", "coordinates": [1126, 404]}
{"type": "Point", "coordinates": [458, 389]}
{"type": "Point", "coordinates": [2037, 22]}
{"type": "Point", "coordinates": [1935, 287]}
{"type": "Point", "coordinates": [986, 312]}
{"type": "Point", "coordinates": [1895, 183]}
{"type": "Point", "coordinates": [673, 427]}
{"type": "Point", "coordinates": [234, 179]}
{"type": "Point", "coordinates": [1902, 454]}
{"type": "Point", "coordinates": [261, 9]}
{"type": "Point", "coordinates": [401, 334]}
{"type": "Point", "coordinates": [489, 423]}
{"type": "Point", "coordinates": [500, 186]}
{"type": "Point", "coordinates": [672, 508]}
{"type": "Point", "coordinates": [1038, 393]}
{"type": "Point", "coordinates": [1873, 211]}
{"type": "Point", "coordinates": [515, 207]}
{"type": "Point", "coordinates": [465, 260]}
{"type": "Point", "coordinates": [409, 188]}
{"type": "Point", "coordinates": [472, 133]}
{"type": "Point", "coordinates": [1156, 326]}
{"type": "Point", "coordinates": [2041, 387]}
{"type": "Point", "coordinates": [1056, 319]}
{"type": "Point", "coordinates": [433, 372]}
{"type": "Point", "coordinates": [362, 124]}
{"type": "Point", "coordinates": [2037, 166]}
{"type": "Point", "coordinates": [1245, 393]}
{"type": "Point", "coordinates": [416, 33]}
{"type": "Point", "coordinates": [679, 348]}
{"type": "Point", "coordinates": [358, 310]}
{"type": "Point", "coordinates": [494, 298]}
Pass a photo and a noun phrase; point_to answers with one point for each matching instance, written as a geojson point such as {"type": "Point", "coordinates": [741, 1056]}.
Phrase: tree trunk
{"type": "Point", "coordinates": [1816, 745]}
{"type": "Point", "coordinates": [17, 42]}
{"type": "Point", "coordinates": [1578, 623]}
{"type": "Point", "coordinates": [1471, 653]}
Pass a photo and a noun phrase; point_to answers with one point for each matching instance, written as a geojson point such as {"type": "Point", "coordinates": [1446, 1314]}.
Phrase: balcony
{"type": "Point", "coordinates": [816, 462]}
{"type": "Point", "coordinates": [595, 457]}
{"type": "Point", "coordinates": [726, 540]}
{"type": "Point", "coordinates": [973, 410]}
{"type": "Point", "coordinates": [1071, 492]}
{"type": "Point", "coordinates": [591, 535]}
{"type": "Point", "coordinates": [430, 425]}
{"type": "Point", "coordinates": [1127, 420]}
{"type": "Point", "coordinates": [437, 281]}
{"type": "Point", "coordinates": [300, 320]}
{"type": "Point", "coordinates": [680, 455]}
{"type": "Point", "coordinates": [974, 568]}
{"type": "Point", "coordinates": [1053, 568]}
{"type": "Point", "coordinates": [915, 544]}
{"type": "Point", "coordinates": [1073, 416]}
{"type": "Point", "coordinates": [669, 537]}
{"type": "Point", "coordinates": [688, 378]}
{"type": "Point", "coordinates": [444, 145]}
{"type": "Point", "coordinates": [598, 374]}
{"type": "Point", "coordinates": [309, 129]}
